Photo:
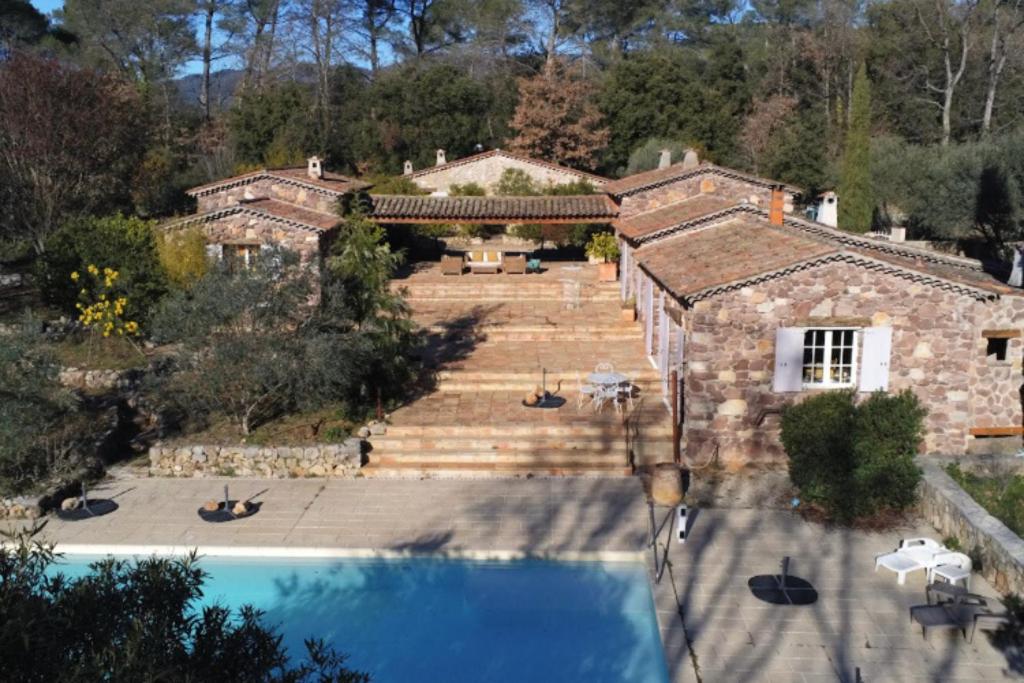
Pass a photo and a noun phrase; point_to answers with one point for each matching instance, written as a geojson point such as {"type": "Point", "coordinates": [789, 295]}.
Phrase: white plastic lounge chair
{"type": "Point", "coordinates": [911, 555]}
{"type": "Point", "coordinates": [952, 568]}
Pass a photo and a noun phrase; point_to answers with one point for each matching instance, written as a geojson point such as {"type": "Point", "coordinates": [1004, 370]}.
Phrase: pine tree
{"type": "Point", "coordinates": [856, 204]}
{"type": "Point", "coordinates": [557, 120]}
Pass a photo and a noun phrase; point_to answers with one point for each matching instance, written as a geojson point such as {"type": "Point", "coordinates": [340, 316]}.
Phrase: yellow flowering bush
{"type": "Point", "coordinates": [100, 308]}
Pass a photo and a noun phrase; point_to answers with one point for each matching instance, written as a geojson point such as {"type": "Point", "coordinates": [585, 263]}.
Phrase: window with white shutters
{"type": "Point", "coordinates": [829, 358]}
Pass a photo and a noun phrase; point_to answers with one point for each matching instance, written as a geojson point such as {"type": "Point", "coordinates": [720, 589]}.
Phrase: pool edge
{"type": "Point", "coordinates": [362, 553]}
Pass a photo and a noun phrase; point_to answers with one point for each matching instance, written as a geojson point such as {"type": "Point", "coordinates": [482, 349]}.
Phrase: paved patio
{"type": "Point", "coordinates": [859, 622]}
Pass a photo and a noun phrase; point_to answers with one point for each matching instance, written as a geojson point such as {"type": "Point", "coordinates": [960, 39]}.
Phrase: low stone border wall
{"type": "Point", "coordinates": [954, 513]}
{"type": "Point", "coordinates": [272, 462]}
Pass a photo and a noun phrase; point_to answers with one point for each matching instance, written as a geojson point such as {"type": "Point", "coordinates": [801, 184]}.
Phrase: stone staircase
{"type": "Point", "coordinates": [507, 329]}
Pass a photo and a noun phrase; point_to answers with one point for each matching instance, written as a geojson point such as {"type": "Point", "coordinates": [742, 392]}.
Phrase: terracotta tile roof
{"type": "Point", "coordinates": [663, 176]}
{"type": "Point", "coordinates": [736, 249]}
{"type": "Point", "coordinates": [595, 179]}
{"type": "Point", "coordinates": [553, 209]}
{"type": "Point", "coordinates": [299, 214]}
{"type": "Point", "coordinates": [269, 209]}
{"type": "Point", "coordinates": [333, 183]}
{"type": "Point", "coordinates": [715, 252]}
{"type": "Point", "coordinates": [650, 223]}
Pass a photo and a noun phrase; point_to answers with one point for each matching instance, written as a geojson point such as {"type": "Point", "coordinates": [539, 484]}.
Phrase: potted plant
{"type": "Point", "coordinates": [629, 310]}
{"type": "Point", "coordinates": [603, 246]}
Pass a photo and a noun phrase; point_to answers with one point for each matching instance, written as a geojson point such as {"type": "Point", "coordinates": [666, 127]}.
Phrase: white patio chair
{"type": "Point", "coordinates": [584, 392]}
{"type": "Point", "coordinates": [606, 394]}
{"type": "Point", "coordinates": [952, 568]}
{"type": "Point", "coordinates": [604, 367]}
{"type": "Point", "coordinates": [911, 555]}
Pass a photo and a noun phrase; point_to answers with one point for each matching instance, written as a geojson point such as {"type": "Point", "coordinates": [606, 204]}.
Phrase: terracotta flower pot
{"type": "Point", "coordinates": [607, 272]}
{"type": "Point", "coordinates": [667, 485]}
{"type": "Point", "coordinates": [628, 314]}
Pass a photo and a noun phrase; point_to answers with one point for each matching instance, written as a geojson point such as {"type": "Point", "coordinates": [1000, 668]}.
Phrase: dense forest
{"type": "Point", "coordinates": [117, 105]}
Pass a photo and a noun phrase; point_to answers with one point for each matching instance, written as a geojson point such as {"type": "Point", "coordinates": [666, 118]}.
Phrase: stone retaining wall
{"type": "Point", "coordinates": [99, 380]}
{"type": "Point", "coordinates": [273, 462]}
{"type": "Point", "coordinates": [954, 513]}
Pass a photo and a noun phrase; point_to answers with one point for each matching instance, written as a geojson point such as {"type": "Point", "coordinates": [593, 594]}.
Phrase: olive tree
{"type": "Point", "coordinates": [137, 620]}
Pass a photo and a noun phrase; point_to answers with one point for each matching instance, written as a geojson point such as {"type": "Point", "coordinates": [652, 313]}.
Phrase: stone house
{"type": "Point", "coordinates": [752, 308]}
{"type": "Point", "coordinates": [486, 168]}
{"type": "Point", "coordinates": [292, 208]}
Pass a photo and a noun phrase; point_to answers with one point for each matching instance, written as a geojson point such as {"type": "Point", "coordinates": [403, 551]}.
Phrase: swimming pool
{"type": "Point", "coordinates": [423, 620]}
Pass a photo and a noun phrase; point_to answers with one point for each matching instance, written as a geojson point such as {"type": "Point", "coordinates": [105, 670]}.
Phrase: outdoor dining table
{"type": "Point", "coordinates": [607, 379]}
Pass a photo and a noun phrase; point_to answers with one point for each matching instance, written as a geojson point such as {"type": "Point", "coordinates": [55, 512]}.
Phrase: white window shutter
{"type": "Point", "coordinates": [789, 359]}
{"type": "Point", "coordinates": [874, 364]}
{"type": "Point", "coordinates": [215, 252]}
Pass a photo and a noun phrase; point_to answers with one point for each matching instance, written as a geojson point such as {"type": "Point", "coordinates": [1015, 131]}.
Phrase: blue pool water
{"type": "Point", "coordinates": [423, 620]}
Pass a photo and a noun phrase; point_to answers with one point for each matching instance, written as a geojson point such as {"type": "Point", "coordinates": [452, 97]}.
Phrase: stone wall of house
{"type": "Point", "coordinates": [997, 388]}
{"type": "Point", "coordinates": [731, 188]}
{"type": "Point", "coordinates": [487, 172]}
{"type": "Point", "coordinates": [241, 228]}
{"type": "Point", "coordinates": [273, 462]}
{"type": "Point", "coordinates": [318, 201]}
{"type": "Point", "coordinates": [730, 354]}
{"type": "Point", "coordinates": [954, 513]}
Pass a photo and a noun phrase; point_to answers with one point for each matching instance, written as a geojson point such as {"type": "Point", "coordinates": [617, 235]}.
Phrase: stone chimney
{"type": "Point", "coordinates": [776, 208]}
{"type": "Point", "coordinates": [1017, 274]}
{"type": "Point", "coordinates": [690, 159]}
{"type": "Point", "coordinates": [897, 234]}
{"type": "Point", "coordinates": [665, 160]}
{"type": "Point", "coordinates": [407, 168]}
{"type": "Point", "coordinates": [314, 168]}
{"type": "Point", "coordinates": [440, 158]}
{"type": "Point", "coordinates": [828, 209]}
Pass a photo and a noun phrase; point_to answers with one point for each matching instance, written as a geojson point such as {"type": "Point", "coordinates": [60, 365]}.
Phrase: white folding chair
{"type": "Point", "coordinates": [604, 367]}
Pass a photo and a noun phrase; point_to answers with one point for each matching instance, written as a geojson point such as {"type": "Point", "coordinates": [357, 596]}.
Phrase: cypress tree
{"type": "Point", "coordinates": [856, 203]}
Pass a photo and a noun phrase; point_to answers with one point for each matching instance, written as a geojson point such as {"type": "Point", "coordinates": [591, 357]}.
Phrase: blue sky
{"type": "Point", "coordinates": [47, 5]}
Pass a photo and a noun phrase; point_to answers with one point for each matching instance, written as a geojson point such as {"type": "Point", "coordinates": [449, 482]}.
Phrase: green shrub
{"type": "Point", "coordinates": [467, 190]}
{"type": "Point", "coordinates": [123, 243]}
{"type": "Point", "coordinates": [854, 460]}
{"type": "Point", "coordinates": [602, 245]}
{"type": "Point", "coordinates": [1002, 495]}
{"type": "Point", "coordinates": [183, 256]}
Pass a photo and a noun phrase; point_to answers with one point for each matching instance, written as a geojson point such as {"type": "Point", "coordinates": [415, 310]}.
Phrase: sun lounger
{"type": "Point", "coordinates": [957, 615]}
{"type": "Point", "coordinates": [913, 554]}
{"type": "Point", "coordinates": [987, 622]}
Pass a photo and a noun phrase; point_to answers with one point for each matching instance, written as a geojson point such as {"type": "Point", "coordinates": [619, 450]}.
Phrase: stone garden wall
{"type": "Point", "coordinates": [272, 462]}
{"type": "Point", "coordinates": [99, 380]}
{"type": "Point", "coordinates": [954, 513]}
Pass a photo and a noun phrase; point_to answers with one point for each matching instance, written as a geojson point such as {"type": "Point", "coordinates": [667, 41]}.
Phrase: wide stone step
{"type": "Point", "coordinates": [490, 470]}
{"type": "Point", "coordinates": [544, 457]}
{"type": "Point", "coordinates": [639, 374]}
{"type": "Point", "coordinates": [497, 432]}
{"type": "Point", "coordinates": [436, 445]}
{"type": "Point", "coordinates": [540, 333]}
